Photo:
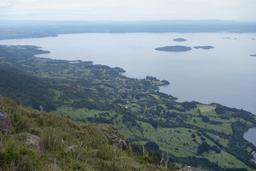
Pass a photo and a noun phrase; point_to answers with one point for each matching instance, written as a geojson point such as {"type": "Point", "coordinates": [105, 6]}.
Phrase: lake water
{"type": "Point", "coordinates": [225, 74]}
{"type": "Point", "coordinates": [250, 136]}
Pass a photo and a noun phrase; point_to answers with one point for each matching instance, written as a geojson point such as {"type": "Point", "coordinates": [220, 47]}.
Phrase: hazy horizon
{"type": "Point", "coordinates": [132, 10]}
{"type": "Point", "coordinates": [127, 21]}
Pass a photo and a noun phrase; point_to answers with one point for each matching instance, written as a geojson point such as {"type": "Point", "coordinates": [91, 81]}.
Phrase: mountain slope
{"type": "Point", "coordinates": [33, 140]}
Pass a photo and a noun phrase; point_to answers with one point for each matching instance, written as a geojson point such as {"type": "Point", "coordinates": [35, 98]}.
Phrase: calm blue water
{"type": "Point", "coordinates": [226, 74]}
{"type": "Point", "coordinates": [250, 136]}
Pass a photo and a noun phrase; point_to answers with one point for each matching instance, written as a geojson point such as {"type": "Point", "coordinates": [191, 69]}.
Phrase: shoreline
{"type": "Point", "coordinates": [101, 94]}
{"type": "Point", "coordinates": [139, 32]}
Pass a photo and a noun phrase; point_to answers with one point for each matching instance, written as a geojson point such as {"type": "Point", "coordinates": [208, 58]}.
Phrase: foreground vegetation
{"type": "Point", "coordinates": [203, 135]}
{"type": "Point", "coordinates": [33, 140]}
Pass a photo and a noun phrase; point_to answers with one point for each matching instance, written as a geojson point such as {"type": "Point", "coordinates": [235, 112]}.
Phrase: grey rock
{"type": "Point", "coordinates": [30, 140]}
{"type": "Point", "coordinates": [5, 123]}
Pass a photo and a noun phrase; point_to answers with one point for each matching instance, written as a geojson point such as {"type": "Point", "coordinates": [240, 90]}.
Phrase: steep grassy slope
{"type": "Point", "coordinates": [204, 135]}
{"type": "Point", "coordinates": [33, 140]}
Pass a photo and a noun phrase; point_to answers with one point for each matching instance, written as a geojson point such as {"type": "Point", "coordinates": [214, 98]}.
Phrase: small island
{"type": "Point", "coordinates": [226, 37]}
{"type": "Point", "coordinates": [174, 48]}
{"type": "Point", "coordinates": [254, 55]}
{"type": "Point", "coordinates": [179, 40]}
{"type": "Point", "coordinates": [204, 47]}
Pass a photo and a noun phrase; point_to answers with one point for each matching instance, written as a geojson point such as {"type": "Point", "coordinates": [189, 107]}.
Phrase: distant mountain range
{"type": "Point", "coordinates": [27, 29]}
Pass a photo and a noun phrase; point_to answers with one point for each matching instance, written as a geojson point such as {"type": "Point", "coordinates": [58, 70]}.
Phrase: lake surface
{"type": "Point", "coordinates": [225, 74]}
{"type": "Point", "coordinates": [250, 136]}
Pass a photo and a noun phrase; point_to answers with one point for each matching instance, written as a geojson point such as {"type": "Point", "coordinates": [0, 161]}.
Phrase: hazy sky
{"type": "Point", "coordinates": [129, 9]}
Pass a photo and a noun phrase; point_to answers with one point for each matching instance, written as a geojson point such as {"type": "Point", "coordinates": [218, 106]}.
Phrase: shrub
{"type": "Point", "coordinates": [151, 146]}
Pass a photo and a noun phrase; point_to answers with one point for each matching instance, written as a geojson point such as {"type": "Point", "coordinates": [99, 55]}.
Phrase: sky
{"type": "Point", "coordinates": [128, 10]}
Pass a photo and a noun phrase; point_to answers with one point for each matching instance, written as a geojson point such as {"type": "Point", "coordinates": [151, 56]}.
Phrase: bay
{"type": "Point", "coordinates": [225, 74]}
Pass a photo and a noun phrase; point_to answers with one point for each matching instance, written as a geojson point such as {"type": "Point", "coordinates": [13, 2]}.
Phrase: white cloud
{"type": "Point", "coordinates": [129, 9]}
{"type": "Point", "coordinates": [5, 4]}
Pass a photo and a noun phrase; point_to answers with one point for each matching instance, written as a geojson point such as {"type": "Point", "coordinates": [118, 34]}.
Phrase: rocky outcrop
{"type": "Point", "coordinates": [30, 140]}
{"type": "Point", "coordinates": [71, 148]}
{"type": "Point", "coordinates": [188, 168]}
{"type": "Point", "coordinates": [5, 123]}
{"type": "Point", "coordinates": [113, 136]}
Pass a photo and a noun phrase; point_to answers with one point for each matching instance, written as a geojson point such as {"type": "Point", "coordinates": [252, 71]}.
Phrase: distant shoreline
{"type": "Point", "coordinates": [35, 29]}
